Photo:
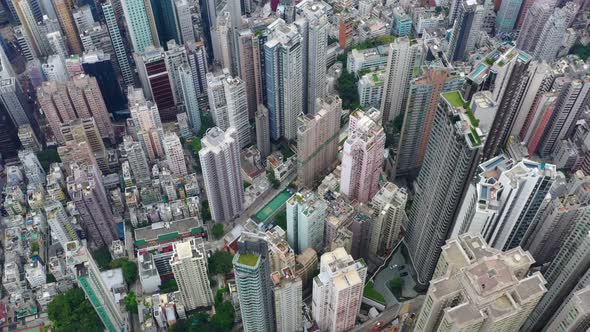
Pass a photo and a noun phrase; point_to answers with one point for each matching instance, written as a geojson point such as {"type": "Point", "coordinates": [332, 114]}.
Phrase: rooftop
{"type": "Point", "coordinates": [248, 259]}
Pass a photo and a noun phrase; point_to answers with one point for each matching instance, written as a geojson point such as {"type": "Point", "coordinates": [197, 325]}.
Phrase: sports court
{"type": "Point", "coordinates": [271, 207]}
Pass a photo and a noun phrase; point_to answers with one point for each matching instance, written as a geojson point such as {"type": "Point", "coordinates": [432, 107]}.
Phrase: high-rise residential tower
{"type": "Point", "coordinates": [317, 140]}
{"type": "Point", "coordinates": [507, 15]}
{"type": "Point", "coordinates": [262, 132]}
{"type": "Point", "coordinates": [220, 161]}
{"type": "Point", "coordinates": [338, 290]}
{"type": "Point", "coordinates": [451, 157]}
{"type": "Point", "coordinates": [403, 57]}
{"type": "Point", "coordinates": [389, 204]}
{"type": "Point", "coordinates": [479, 288]}
{"type": "Point", "coordinates": [139, 22]}
{"type": "Point", "coordinates": [306, 213]}
{"type": "Point", "coordinates": [137, 160]}
{"type": "Point", "coordinates": [283, 70]}
{"type": "Point", "coordinates": [189, 265]}
{"type": "Point", "coordinates": [147, 122]}
{"type": "Point", "coordinates": [466, 30]}
{"type": "Point", "coordinates": [174, 154]}
{"type": "Point", "coordinates": [63, 9]}
{"type": "Point", "coordinates": [118, 46]}
{"type": "Point", "coordinates": [253, 280]}
{"type": "Point", "coordinates": [189, 96]}
{"type": "Point", "coordinates": [288, 298]}
{"type": "Point", "coordinates": [362, 156]}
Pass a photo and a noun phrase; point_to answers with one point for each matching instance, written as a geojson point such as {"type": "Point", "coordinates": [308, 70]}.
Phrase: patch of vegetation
{"type": "Point", "coordinates": [103, 258]}
{"type": "Point", "coordinates": [373, 294]}
{"type": "Point", "coordinates": [205, 211]}
{"type": "Point", "coordinates": [50, 278]}
{"type": "Point", "coordinates": [206, 122]}
{"type": "Point", "coordinates": [130, 302]}
{"type": "Point", "coordinates": [396, 286]}
{"type": "Point", "coordinates": [286, 151]}
{"type": "Point", "coordinates": [246, 184]}
{"type": "Point", "coordinates": [220, 262]}
{"type": "Point", "coordinates": [347, 90]}
{"type": "Point", "coordinates": [374, 42]}
{"type": "Point", "coordinates": [129, 269]}
{"type": "Point", "coordinates": [169, 286]}
{"type": "Point", "coordinates": [222, 321]}
{"type": "Point", "coordinates": [582, 51]}
{"type": "Point", "coordinates": [281, 219]}
{"type": "Point", "coordinates": [47, 157]}
{"type": "Point", "coordinates": [217, 231]}
{"type": "Point", "coordinates": [273, 180]}
{"type": "Point", "coordinates": [71, 311]}
{"type": "Point", "coordinates": [342, 58]}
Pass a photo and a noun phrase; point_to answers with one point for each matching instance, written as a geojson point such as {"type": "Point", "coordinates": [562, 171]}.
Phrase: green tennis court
{"type": "Point", "coordinates": [271, 207]}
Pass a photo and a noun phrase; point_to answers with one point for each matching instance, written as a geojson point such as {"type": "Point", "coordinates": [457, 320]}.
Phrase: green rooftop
{"type": "Point", "coordinates": [455, 99]}
{"type": "Point", "coordinates": [248, 259]}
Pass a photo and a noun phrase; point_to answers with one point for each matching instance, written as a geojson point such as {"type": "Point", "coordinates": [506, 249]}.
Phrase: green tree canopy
{"type": "Point", "coordinates": [103, 258]}
{"type": "Point", "coordinates": [72, 312]}
{"type": "Point", "coordinates": [129, 269]}
{"type": "Point", "coordinates": [131, 302]}
{"type": "Point", "coordinates": [169, 286]}
{"type": "Point", "coordinates": [220, 262]}
{"type": "Point", "coordinates": [217, 231]}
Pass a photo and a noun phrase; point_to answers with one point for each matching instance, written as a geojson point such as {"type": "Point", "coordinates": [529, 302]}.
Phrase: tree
{"type": "Point", "coordinates": [71, 311]}
{"type": "Point", "coordinates": [130, 302]}
{"type": "Point", "coordinates": [129, 269]}
{"type": "Point", "coordinates": [347, 90]}
{"type": "Point", "coordinates": [582, 51]}
{"type": "Point", "coordinates": [205, 211]}
{"type": "Point", "coordinates": [281, 219]}
{"type": "Point", "coordinates": [168, 286]}
{"type": "Point", "coordinates": [48, 156]}
{"type": "Point", "coordinates": [273, 180]}
{"type": "Point", "coordinates": [217, 231]}
{"type": "Point", "coordinates": [396, 285]}
{"type": "Point", "coordinates": [220, 262]}
{"type": "Point", "coordinates": [103, 258]}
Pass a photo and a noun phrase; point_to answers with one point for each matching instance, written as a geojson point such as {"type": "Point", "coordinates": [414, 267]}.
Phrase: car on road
{"type": "Point", "coordinates": [401, 267]}
{"type": "Point", "coordinates": [404, 274]}
{"type": "Point", "coordinates": [393, 266]}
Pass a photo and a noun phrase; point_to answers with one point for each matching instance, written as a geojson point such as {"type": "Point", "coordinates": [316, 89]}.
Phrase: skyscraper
{"type": "Point", "coordinates": [262, 132]}
{"type": "Point", "coordinates": [100, 66]}
{"type": "Point", "coordinates": [197, 59]}
{"type": "Point", "coordinates": [305, 221]}
{"type": "Point", "coordinates": [33, 170]}
{"type": "Point", "coordinates": [229, 104]}
{"type": "Point", "coordinates": [137, 160]}
{"type": "Point", "coordinates": [553, 32]}
{"type": "Point", "coordinates": [573, 315]}
{"type": "Point", "coordinates": [156, 80]}
{"type": "Point", "coordinates": [254, 284]}
{"type": "Point", "coordinates": [175, 57]}
{"type": "Point", "coordinates": [220, 161]}
{"type": "Point", "coordinates": [189, 265]}
{"type": "Point", "coordinates": [13, 98]}
{"type": "Point", "coordinates": [470, 283]}
{"type": "Point", "coordinates": [570, 266]}
{"type": "Point", "coordinates": [248, 48]}
{"type": "Point", "coordinates": [423, 97]}
{"type": "Point", "coordinates": [147, 122]}
{"type": "Point", "coordinates": [389, 204]}
{"type": "Point", "coordinates": [288, 300]}
{"type": "Point", "coordinates": [60, 223]}
{"type": "Point", "coordinates": [184, 22]}
{"type": "Point", "coordinates": [283, 70]}
{"type": "Point", "coordinates": [78, 99]}
{"type": "Point", "coordinates": [466, 30]}
{"type": "Point", "coordinates": [89, 278]}
{"type": "Point", "coordinates": [451, 157]}
{"type": "Point", "coordinates": [137, 18]}
{"type": "Point", "coordinates": [338, 290]}
{"type": "Point", "coordinates": [403, 58]}
{"type": "Point", "coordinates": [362, 156]}
{"type": "Point", "coordinates": [165, 20]}
{"type": "Point", "coordinates": [174, 154]}
{"type": "Point", "coordinates": [509, 195]}
{"type": "Point", "coordinates": [313, 26]}
{"type": "Point", "coordinates": [89, 197]}
{"type": "Point", "coordinates": [317, 140]}
{"type": "Point", "coordinates": [189, 96]}
{"type": "Point", "coordinates": [507, 15]}
{"type": "Point", "coordinates": [118, 46]}
{"type": "Point", "coordinates": [532, 24]}
{"type": "Point", "coordinates": [63, 9]}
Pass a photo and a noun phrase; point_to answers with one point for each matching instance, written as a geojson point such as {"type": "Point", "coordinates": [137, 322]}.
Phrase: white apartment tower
{"type": "Point", "coordinates": [137, 160]}
{"type": "Point", "coordinates": [404, 56]}
{"type": "Point", "coordinates": [189, 96]}
{"type": "Point", "coordinates": [189, 265]}
{"type": "Point", "coordinates": [288, 297]}
{"type": "Point", "coordinates": [147, 123]}
{"type": "Point", "coordinates": [306, 213]}
{"type": "Point", "coordinates": [478, 288]}
{"type": "Point", "coordinates": [389, 204]}
{"type": "Point", "coordinates": [313, 25]}
{"type": "Point", "coordinates": [220, 161]}
{"type": "Point", "coordinates": [338, 290]}
{"type": "Point", "coordinates": [174, 154]}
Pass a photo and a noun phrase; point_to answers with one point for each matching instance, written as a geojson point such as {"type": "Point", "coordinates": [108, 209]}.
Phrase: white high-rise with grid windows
{"type": "Point", "coordinates": [189, 265]}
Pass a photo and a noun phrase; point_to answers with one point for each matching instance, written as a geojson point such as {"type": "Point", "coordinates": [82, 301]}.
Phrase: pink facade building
{"type": "Point", "coordinates": [363, 156]}
{"type": "Point", "coordinates": [79, 98]}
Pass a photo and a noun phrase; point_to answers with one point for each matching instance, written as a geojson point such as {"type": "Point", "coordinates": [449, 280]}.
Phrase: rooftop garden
{"type": "Point", "coordinates": [248, 259]}
{"type": "Point", "coordinates": [476, 140]}
{"type": "Point", "coordinates": [456, 100]}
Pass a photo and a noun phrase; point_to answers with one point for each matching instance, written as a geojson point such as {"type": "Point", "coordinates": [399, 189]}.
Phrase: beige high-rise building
{"type": "Point", "coordinates": [79, 98]}
{"type": "Point", "coordinates": [63, 9]}
{"type": "Point", "coordinates": [338, 290]}
{"type": "Point", "coordinates": [479, 288]}
{"type": "Point", "coordinates": [174, 154]}
{"type": "Point", "coordinates": [248, 47]}
{"type": "Point", "coordinates": [389, 203]}
{"type": "Point", "coordinates": [189, 265]}
{"type": "Point", "coordinates": [288, 298]}
{"type": "Point", "coordinates": [317, 140]}
{"type": "Point", "coordinates": [147, 123]}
